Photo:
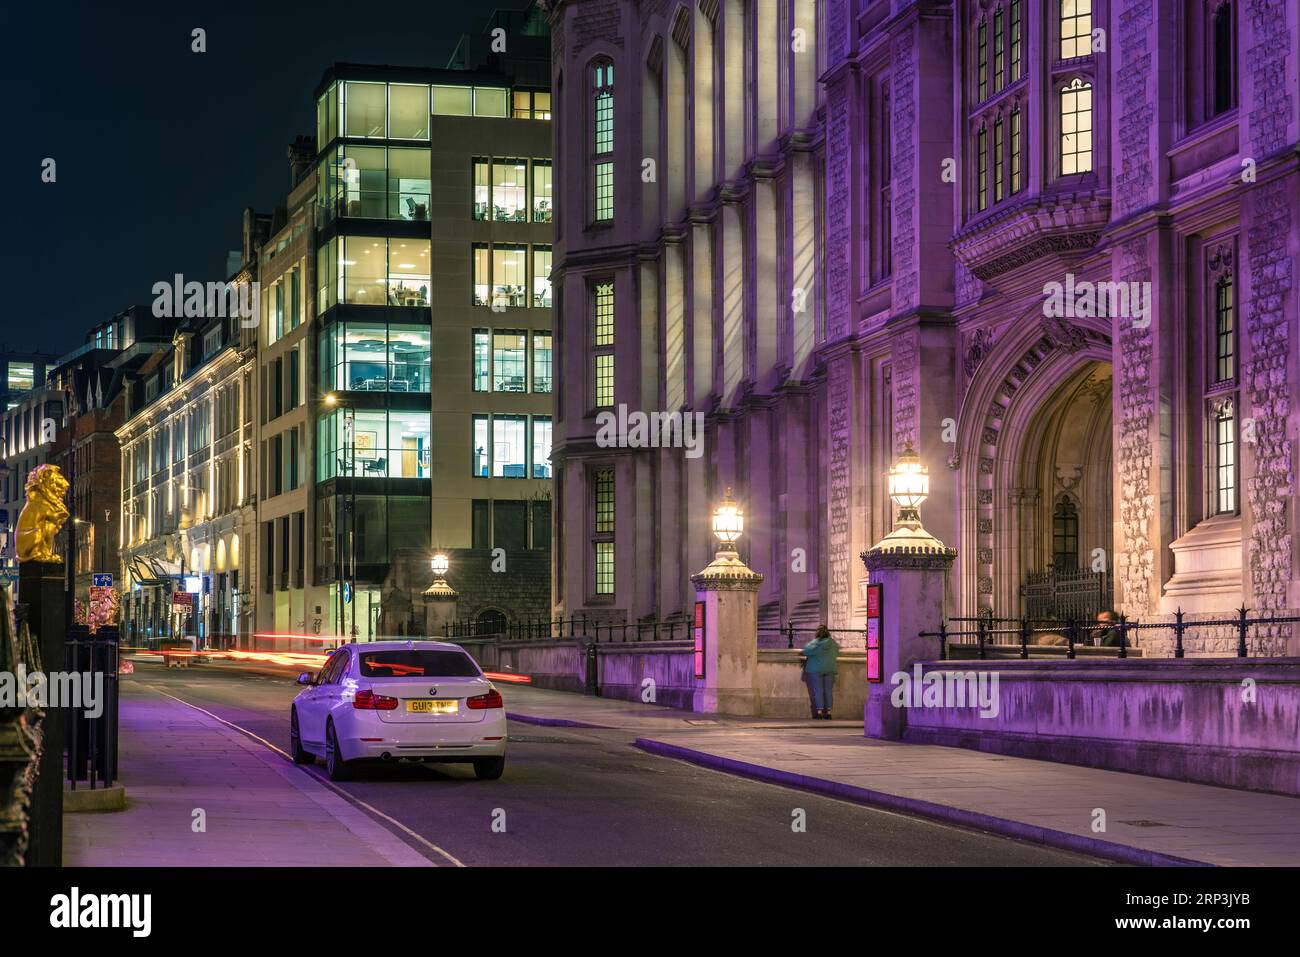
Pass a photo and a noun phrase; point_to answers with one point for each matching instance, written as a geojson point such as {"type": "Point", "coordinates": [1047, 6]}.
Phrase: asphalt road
{"type": "Point", "coordinates": [587, 797]}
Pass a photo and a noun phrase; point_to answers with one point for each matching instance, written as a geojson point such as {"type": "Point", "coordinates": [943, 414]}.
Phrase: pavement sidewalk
{"type": "Point", "coordinates": [1147, 820]}
{"type": "Point", "coordinates": [260, 809]}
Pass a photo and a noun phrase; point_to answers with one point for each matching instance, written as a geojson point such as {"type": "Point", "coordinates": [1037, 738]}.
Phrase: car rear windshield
{"type": "Point", "coordinates": [415, 663]}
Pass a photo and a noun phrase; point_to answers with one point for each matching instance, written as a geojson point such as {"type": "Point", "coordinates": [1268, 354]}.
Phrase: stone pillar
{"type": "Point", "coordinates": [440, 601]}
{"type": "Point", "coordinates": [911, 566]}
{"type": "Point", "coordinates": [911, 601]}
{"type": "Point", "coordinates": [728, 590]}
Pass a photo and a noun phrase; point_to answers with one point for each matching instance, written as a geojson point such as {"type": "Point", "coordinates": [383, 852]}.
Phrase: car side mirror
{"type": "Point", "coordinates": [305, 678]}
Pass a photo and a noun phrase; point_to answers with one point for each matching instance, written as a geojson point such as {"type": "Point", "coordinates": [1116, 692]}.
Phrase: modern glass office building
{"type": "Point", "coordinates": [433, 334]}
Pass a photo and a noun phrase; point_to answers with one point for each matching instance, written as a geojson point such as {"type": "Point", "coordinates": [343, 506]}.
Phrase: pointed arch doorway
{"type": "Point", "coordinates": [1037, 472]}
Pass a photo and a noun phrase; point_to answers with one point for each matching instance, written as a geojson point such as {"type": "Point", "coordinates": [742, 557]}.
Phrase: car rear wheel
{"type": "Point", "coordinates": [338, 769]}
{"type": "Point", "coordinates": [300, 754]}
{"type": "Point", "coordinates": [489, 769]}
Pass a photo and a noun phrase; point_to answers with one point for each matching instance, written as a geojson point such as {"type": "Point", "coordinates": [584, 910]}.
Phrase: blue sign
{"type": "Point", "coordinates": [347, 593]}
{"type": "Point", "coordinates": [102, 580]}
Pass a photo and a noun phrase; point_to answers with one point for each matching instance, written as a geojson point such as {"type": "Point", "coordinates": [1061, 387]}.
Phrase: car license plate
{"type": "Point", "coordinates": [431, 705]}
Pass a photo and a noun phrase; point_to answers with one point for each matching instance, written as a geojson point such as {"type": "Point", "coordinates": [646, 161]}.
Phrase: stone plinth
{"type": "Point", "coordinates": [912, 584]}
{"type": "Point", "coordinates": [728, 591]}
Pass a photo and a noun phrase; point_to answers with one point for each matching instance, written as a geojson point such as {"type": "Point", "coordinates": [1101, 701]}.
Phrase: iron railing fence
{"type": "Point", "coordinates": [1117, 634]}
{"type": "Point", "coordinates": [91, 755]}
{"type": "Point", "coordinates": [535, 629]}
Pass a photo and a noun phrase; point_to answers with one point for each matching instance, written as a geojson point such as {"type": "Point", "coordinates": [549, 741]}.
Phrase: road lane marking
{"type": "Point", "coordinates": [352, 798]}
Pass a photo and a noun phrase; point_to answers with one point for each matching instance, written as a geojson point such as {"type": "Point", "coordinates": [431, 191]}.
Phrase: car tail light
{"type": "Point", "coordinates": [369, 701]}
{"type": "Point", "coordinates": [490, 700]}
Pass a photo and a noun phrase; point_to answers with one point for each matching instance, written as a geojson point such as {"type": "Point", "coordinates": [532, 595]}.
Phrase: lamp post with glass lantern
{"type": "Point", "coordinates": [725, 621]}
{"type": "Point", "coordinates": [439, 598]}
{"type": "Point", "coordinates": [911, 567]}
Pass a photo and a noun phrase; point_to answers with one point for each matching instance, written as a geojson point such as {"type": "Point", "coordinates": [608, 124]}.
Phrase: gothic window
{"type": "Point", "coordinates": [1016, 61]}
{"type": "Point", "coordinates": [999, 184]}
{"type": "Point", "coordinates": [1224, 437]}
{"type": "Point", "coordinates": [1222, 52]}
{"type": "Point", "coordinates": [602, 308]}
{"type": "Point", "coordinates": [1015, 150]}
{"type": "Point", "coordinates": [1076, 28]}
{"type": "Point", "coordinates": [882, 221]}
{"type": "Point", "coordinates": [982, 60]}
{"type": "Point", "coordinates": [602, 487]}
{"type": "Point", "coordinates": [1076, 127]}
{"type": "Point", "coordinates": [1065, 535]}
{"type": "Point", "coordinates": [1225, 369]}
{"type": "Point", "coordinates": [999, 51]}
{"type": "Point", "coordinates": [602, 146]}
{"type": "Point", "coordinates": [982, 168]}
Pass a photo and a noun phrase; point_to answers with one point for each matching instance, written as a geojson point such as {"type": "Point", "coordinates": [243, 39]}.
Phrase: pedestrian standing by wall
{"type": "Point", "coordinates": [821, 655]}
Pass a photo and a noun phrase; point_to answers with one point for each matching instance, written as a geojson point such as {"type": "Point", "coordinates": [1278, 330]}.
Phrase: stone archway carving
{"type": "Point", "coordinates": [1008, 383]}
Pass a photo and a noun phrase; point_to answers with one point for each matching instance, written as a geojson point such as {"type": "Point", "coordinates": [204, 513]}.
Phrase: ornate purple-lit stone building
{"type": "Point", "coordinates": [1052, 244]}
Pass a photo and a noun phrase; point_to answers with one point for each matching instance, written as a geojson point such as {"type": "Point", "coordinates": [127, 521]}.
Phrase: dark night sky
{"type": "Point", "coordinates": [160, 149]}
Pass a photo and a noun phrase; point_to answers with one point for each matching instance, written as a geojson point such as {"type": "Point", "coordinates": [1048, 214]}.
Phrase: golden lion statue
{"type": "Point", "coordinates": [43, 515]}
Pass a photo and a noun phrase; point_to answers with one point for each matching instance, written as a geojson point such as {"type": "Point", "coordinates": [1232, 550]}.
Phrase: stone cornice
{"type": "Point", "coordinates": [1036, 228]}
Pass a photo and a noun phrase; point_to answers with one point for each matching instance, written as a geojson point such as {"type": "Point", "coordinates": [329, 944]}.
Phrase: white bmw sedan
{"type": "Point", "coordinates": [393, 700]}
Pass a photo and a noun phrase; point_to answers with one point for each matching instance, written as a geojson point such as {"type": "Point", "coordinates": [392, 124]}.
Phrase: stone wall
{"type": "Point", "coordinates": [1190, 719]}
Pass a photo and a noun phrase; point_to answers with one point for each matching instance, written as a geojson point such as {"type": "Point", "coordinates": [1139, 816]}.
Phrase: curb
{"type": "Point", "coordinates": [554, 722]}
{"type": "Point", "coordinates": [1063, 840]}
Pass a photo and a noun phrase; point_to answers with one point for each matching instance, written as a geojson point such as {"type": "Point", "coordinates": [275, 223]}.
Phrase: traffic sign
{"type": "Point", "coordinates": [347, 593]}
{"type": "Point", "coordinates": [102, 580]}
{"type": "Point", "coordinates": [182, 599]}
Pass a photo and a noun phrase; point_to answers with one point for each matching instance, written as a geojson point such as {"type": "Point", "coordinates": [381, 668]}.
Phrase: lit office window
{"type": "Point", "coordinates": [523, 105]}
{"type": "Point", "coordinates": [1076, 28]}
{"type": "Point", "coordinates": [541, 362]}
{"type": "Point", "coordinates": [509, 276]}
{"type": "Point", "coordinates": [366, 109]}
{"type": "Point", "coordinates": [482, 446]}
{"type": "Point", "coordinates": [509, 361]}
{"type": "Point", "coordinates": [452, 100]}
{"type": "Point", "coordinates": [541, 277]}
{"type": "Point", "coordinates": [482, 360]}
{"type": "Point", "coordinates": [542, 210]}
{"type": "Point", "coordinates": [509, 446]}
{"type": "Point", "coordinates": [482, 189]}
{"type": "Point", "coordinates": [482, 274]}
{"type": "Point", "coordinates": [541, 446]}
{"type": "Point", "coordinates": [510, 190]}
{"type": "Point", "coordinates": [541, 106]}
{"type": "Point", "coordinates": [1076, 128]}
{"type": "Point", "coordinates": [408, 111]}
{"type": "Point", "coordinates": [490, 102]}
{"type": "Point", "coordinates": [408, 184]}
